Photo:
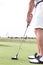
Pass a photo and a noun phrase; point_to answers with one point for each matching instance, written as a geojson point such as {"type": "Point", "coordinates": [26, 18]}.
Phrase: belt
{"type": "Point", "coordinates": [38, 3]}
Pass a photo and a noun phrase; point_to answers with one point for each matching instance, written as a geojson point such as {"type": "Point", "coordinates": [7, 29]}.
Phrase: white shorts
{"type": "Point", "coordinates": [37, 19]}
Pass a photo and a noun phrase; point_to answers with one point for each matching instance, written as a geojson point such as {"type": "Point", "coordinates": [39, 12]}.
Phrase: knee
{"type": "Point", "coordinates": [38, 34]}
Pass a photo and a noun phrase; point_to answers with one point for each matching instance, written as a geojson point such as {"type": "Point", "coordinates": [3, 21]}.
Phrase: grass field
{"type": "Point", "coordinates": [9, 48]}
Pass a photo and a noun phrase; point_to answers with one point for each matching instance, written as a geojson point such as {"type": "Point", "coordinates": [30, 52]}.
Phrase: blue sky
{"type": "Point", "coordinates": [13, 18]}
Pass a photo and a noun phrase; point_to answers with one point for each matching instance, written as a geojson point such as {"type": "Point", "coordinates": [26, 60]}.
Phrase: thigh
{"type": "Point", "coordinates": [39, 32]}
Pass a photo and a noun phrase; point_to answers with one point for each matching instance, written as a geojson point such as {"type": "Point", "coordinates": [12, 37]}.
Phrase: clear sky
{"type": "Point", "coordinates": [13, 18]}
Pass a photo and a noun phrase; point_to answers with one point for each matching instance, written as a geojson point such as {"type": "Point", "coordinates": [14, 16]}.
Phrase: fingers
{"type": "Point", "coordinates": [29, 18]}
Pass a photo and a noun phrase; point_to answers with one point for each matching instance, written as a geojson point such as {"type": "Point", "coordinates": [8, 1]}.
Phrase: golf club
{"type": "Point", "coordinates": [16, 56]}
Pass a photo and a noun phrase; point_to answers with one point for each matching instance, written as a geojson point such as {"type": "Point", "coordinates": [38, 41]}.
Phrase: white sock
{"type": "Point", "coordinates": [39, 54]}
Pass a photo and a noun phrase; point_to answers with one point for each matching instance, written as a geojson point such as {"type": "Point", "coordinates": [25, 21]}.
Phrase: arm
{"type": "Point", "coordinates": [29, 14]}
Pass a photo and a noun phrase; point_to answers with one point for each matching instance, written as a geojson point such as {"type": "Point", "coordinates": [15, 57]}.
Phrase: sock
{"type": "Point", "coordinates": [39, 54]}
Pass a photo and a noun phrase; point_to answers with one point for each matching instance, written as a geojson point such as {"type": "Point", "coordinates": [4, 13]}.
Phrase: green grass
{"type": "Point", "coordinates": [9, 49]}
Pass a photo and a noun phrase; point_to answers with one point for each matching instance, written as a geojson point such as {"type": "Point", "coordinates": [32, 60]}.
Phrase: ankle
{"type": "Point", "coordinates": [40, 54]}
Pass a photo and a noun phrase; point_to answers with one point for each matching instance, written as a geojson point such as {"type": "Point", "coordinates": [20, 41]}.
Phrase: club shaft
{"type": "Point", "coordinates": [22, 40]}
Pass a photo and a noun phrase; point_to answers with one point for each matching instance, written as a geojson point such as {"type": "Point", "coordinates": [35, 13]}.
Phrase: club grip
{"type": "Point", "coordinates": [27, 25]}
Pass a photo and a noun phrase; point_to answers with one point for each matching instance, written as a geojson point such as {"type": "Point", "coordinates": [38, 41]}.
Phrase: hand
{"type": "Point", "coordinates": [29, 18]}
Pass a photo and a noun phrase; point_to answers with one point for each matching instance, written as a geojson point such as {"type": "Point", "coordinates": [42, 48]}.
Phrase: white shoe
{"type": "Point", "coordinates": [38, 60]}
{"type": "Point", "coordinates": [33, 56]}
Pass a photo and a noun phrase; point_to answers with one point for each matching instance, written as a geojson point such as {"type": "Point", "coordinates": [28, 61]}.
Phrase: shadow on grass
{"type": "Point", "coordinates": [5, 45]}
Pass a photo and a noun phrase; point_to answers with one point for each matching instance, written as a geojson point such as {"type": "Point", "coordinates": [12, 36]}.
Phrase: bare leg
{"type": "Point", "coordinates": [39, 38]}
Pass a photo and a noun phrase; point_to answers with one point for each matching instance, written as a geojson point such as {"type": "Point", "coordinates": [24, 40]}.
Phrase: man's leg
{"type": "Point", "coordinates": [39, 38]}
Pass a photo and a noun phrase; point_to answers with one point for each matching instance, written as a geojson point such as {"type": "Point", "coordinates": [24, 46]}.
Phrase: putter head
{"type": "Point", "coordinates": [14, 58]}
